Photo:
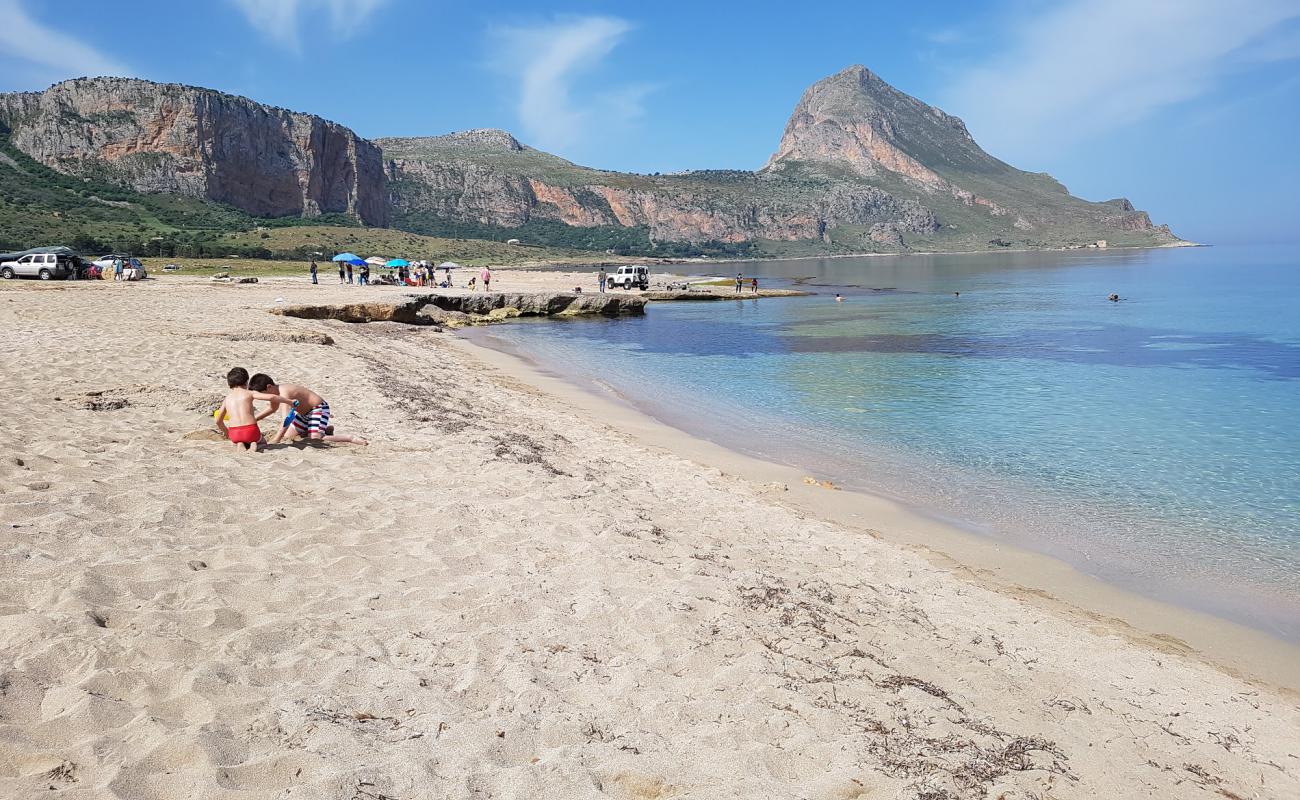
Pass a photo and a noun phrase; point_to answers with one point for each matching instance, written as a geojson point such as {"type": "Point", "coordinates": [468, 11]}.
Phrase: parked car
{"type": "Point", "coordinates": [627, 277]}
{"type": "Point", "coordinates": [46, 266]}
{"type": "Point", "coordinates": [105, 264]}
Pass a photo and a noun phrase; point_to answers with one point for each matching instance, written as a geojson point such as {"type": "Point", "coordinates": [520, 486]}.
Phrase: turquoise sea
{"type": "Point", "coordinates": [1154, 442]}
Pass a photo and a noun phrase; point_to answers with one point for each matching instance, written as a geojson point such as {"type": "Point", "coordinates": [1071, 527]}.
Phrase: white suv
{"type": "Point", "coordinates": [46, 266]}
{"type": "Point", "coordinates": [627, 277]}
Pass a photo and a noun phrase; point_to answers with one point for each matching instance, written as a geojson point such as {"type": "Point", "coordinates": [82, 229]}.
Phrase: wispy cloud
{"type": "Point", "coordinates": [46, 54]}
{"type": "Point", "coordinates": [944, 36]}
{"type": "Point", "coordinates": [547, 59]}
{"type": "Point", "coordinates": [1086, 67]}
{"type": "Point", "coordinates": [280, 20]}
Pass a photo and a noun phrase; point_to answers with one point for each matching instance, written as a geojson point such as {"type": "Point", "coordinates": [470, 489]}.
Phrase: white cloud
{"type": "Point", "coordinates": [279, 20]}
{"type": "Point", "coordinates": [547, 59]}
{"type": "Point", "coordinates": [47, 55]}
{"type": "Point", "coordinates": [1090, 66]}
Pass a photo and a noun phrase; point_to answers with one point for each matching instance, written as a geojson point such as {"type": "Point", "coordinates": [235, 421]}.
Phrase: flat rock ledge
{"type": "Point", "coordinates": [474, 309]}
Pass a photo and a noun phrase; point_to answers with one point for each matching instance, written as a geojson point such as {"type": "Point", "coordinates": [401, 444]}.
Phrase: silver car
{"type": "Point", "coordinates": [46, 266]}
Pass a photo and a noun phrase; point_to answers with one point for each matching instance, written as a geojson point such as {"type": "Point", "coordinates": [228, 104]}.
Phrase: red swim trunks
{"type": "Point", "coordinates": [244, 434]}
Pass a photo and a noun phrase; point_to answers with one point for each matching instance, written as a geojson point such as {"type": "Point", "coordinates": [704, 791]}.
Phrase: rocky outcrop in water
{"type": "Point", "coordinates": [541, 304]}
{"type": "Point", "coordinates": [468, 309]}
{"type": "Point", "coordinates": [183, 140]}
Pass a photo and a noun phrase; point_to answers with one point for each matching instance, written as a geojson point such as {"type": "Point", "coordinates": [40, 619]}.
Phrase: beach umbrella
{"type": "Point", "coordinates": [399, 262]}
{"type": "Point", "coordinates": [356, 262]}
{"type": "Point", "coordinates": [449, 265]}
{"type": "Point", "coordinates": [376, 261]}
{"type": "Point", "coordinates": [346, 257]}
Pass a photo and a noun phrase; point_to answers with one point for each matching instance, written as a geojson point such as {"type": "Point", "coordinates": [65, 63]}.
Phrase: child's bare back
{"type": "Point", "coordinates": [237, 408]}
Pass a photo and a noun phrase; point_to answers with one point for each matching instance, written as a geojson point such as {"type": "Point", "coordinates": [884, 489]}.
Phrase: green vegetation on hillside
{"type": "Point", "coordinates": [611, 239]}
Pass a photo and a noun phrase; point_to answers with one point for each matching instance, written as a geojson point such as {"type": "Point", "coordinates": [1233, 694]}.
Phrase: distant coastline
{"type": "Point", "coordinates": [711, 260]}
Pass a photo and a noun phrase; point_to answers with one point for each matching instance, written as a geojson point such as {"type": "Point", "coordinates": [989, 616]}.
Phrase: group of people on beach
{"type": "Point", "coordinates": [418, 275]}
{"type": "Point", "coordinates": [305, 411]}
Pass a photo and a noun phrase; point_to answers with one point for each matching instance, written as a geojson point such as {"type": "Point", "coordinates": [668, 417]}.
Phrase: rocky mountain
{"type": "Point", "coordinates": [861, 167]}
{"type": "Point", "coordinates": [488, 178]}
{"type": "Point", "coordinates": [853, 121]}
{"type": "Point", "coordinates": [167, 138]}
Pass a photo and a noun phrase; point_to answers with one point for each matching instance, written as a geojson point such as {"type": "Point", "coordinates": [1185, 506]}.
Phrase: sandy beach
{"type": "Point", "coordinates": [507, 595]}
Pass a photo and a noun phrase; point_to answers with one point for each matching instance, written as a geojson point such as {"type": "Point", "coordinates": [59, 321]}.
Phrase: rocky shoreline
{"type": "Point", "coordinates": [484, 308]}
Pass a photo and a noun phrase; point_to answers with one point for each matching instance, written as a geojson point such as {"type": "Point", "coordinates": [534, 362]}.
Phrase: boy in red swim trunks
{"type": "Point", "coordinates": [237, 410]}
{"type": "Point", "coordinates": [312, 420]}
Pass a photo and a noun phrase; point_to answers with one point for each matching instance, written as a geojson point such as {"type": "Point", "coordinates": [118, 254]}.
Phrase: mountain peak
{"type": "Point", "coordinates": [855, 119]}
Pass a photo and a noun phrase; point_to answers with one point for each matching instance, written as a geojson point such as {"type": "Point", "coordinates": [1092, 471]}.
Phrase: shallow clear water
{"type": "Point", "coordinates": [1153, 442]}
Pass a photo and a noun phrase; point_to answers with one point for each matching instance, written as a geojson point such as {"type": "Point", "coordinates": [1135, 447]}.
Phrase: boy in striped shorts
{"type": "Point", "coordinates": [312, 420]}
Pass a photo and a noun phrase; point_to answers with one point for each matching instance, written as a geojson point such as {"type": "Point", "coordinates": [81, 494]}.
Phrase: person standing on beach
{"type": "Point", "coordinates": [487, 278]}
{"type": "Point", "coordinates": [740, 281]}
{"type": "Point", "coordinates": [363, 279]}
{"type": "Point", "coordinates": [117, 269]}
{"type": "Point", "coordinates": [349, 273]}
{"type": "Point", "coordinates": [342, 271]}
{"type": "Point", "coordinates": [313, 273]}
{"type": "Point", "coordinates": [753, 285]}
{"type": "Point", "coordinates": [602, 278]}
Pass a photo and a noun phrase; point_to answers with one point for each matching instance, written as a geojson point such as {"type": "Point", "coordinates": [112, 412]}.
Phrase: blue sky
{"type": "Point", "coordinates": [1189, 108]}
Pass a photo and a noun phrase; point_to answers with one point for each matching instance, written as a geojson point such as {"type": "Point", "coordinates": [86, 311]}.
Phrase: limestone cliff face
{"type": "Point", "coordinates": [198, 142]}
{"type": "Point", "coordinates": [855, 120]}
{"type": "Point", "coordinates": [860, 166]}
{"type": "Point", "coordinates": [488, 178]}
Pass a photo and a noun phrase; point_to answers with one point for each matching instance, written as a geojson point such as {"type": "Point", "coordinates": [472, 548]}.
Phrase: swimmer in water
{"type": "Point", "coordinates": [839, 299]}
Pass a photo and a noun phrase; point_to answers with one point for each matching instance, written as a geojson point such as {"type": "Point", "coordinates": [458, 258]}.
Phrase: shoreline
{"type": "Point", "coordinates": [1018, 572]}
{"type": "Point", "coordinates": [524, 591]}
{"type": "Point", "coordinates": [195, 266]}
{"type": "Point", "coordinates": [1175, 245]}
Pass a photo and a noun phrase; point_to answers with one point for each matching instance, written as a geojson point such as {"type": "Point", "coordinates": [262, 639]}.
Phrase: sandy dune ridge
{"type": "Point", "coordinates": [501, 598]}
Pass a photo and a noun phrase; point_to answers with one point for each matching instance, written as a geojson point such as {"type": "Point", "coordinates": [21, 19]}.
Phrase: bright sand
{"type": "Point", "coordinates": [521, 591]}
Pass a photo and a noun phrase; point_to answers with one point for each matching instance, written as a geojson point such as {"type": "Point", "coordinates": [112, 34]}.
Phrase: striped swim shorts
{"type": "Point", "coordinates": [314, 422]}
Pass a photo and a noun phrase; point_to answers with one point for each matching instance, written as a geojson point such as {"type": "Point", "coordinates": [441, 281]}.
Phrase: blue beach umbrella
{"type": "Point", "coordinates": [399, 262]}
{"type": "Point", "coordinates": [356, 262]}
{"type": "Point", "coordinates": [345, 257]}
